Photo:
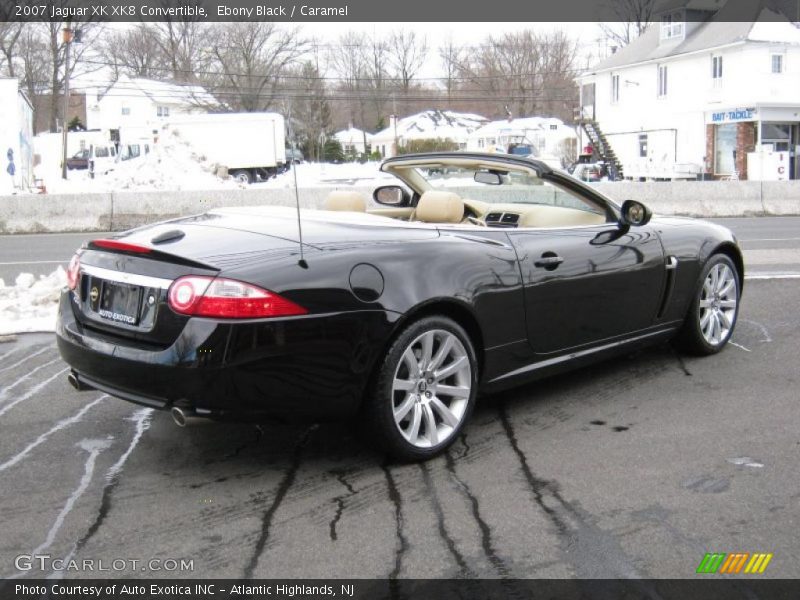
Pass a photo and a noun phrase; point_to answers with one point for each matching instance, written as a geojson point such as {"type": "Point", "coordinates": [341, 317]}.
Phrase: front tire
{"type": "Point", "coordinates": [712, 316]}
{"type": "Point", "coordinates": [424, 390]}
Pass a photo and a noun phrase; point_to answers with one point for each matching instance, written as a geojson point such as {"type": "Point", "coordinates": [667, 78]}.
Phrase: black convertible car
{"type": "Point", "coordinates": [475, 272]}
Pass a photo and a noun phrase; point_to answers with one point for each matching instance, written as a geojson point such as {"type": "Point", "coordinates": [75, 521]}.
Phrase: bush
{"type": "Point", "coordinates": [428, 145]}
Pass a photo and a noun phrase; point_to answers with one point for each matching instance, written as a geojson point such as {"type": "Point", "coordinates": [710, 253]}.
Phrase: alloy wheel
{"type": "Point", "coordinates": [718, 300]}
{"type": "Point", "coordinates": [431, 388]}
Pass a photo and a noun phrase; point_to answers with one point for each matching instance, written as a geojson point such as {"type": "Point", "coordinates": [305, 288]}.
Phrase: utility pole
{"type": "Point", "coordinates": [67, 33]}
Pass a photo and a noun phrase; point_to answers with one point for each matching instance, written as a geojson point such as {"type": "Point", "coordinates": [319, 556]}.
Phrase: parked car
{"type": "Point", "coordinates": [294, 156]}
{"type": "Point", "coordinates": [588, 172]}
{"type": "Point", "coordinates": [79, 160]}
{"type": "Point", "coordinates": [399, 316]}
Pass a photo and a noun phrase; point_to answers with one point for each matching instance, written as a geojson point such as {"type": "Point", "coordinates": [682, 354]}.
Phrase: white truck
{"type": "Point", "coordinates": [252, 146]}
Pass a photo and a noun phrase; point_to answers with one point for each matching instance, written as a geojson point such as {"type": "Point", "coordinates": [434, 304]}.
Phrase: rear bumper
{"type": "Point", "coordinates": [299, 368]}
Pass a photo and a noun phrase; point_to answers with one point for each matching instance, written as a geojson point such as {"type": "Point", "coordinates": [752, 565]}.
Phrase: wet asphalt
{"type": "Point", "coordinates": [634, 467]}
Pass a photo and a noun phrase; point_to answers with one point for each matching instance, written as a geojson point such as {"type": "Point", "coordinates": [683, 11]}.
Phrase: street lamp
{"type": "Point", "coordinates": [67, 37]}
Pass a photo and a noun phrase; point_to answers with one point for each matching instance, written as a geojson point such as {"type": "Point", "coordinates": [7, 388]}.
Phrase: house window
{"type": "Point", "coordinates": [716, 67]}
{"type": "Point", "coordinates": [162, 111]}
{"type": "Point", "coordinates": [553, 127]}
{"type": "Point", "coordinates": [662, 81]}
{"type": "Point", "coordinates": [777, 63]}
{"type": "Point", "coordinates": [672, 25]}
{"type": "Point", "coordinates": [642, 145]}
{"type": "Point", "coordinates": [614, 89]}
{"type": "Point", "coordinates": [725, 149]}
{"type": "Point", "coordinates": [126, 110]}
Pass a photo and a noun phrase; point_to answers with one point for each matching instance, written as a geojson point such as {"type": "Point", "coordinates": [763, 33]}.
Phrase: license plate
{"type": "Point", "coordinates": [119, 302]}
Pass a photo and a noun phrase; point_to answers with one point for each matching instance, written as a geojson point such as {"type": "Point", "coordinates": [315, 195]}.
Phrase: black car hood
{"type": "Point", "coordinates": [227, 238]}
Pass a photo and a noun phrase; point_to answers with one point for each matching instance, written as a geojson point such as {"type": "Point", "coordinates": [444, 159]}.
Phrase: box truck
{"type": "Point", "coordinates": [252, 146]}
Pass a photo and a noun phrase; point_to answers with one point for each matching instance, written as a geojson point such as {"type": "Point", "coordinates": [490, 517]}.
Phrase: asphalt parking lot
{"type": "Point", "coordinates": [631, 468]}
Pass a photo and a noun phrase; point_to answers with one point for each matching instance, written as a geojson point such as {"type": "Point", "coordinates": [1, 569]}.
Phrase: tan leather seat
{"type": "Point", "coordinates": [345, 201]}
{"type": "Point", "coordinates": [439, 207]}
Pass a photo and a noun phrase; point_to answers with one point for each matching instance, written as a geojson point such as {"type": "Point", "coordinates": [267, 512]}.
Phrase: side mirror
{"type": "Point", "coordinates": [391, 195]}
{"type": "Point", "coordinates": [634, 214]}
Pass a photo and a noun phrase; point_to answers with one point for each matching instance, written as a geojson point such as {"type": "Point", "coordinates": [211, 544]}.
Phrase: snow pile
{"type": "Point", "coordinates": [171, 164]}
{"type": "Point", "coordinates": [326, 175]}
{"type": "Point", "coordinates": [31, 305]}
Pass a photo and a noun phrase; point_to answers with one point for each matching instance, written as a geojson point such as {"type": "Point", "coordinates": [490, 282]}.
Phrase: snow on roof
{"type": "Point", "coordinates": [434, 124]}
{"type": "Point", "coordinates": [721, 30]}
{"type": "Point", "coordinates": [773, 30]}
{"type": "Point", "coordinates": [353, 134]}
{"type": "Point", "coordinates": [524, 124]}
{"type": "Point", "coordinates": [162, 92]}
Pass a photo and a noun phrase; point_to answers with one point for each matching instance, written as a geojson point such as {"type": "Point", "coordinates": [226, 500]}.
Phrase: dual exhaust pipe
{"type": "Point", "coordinates": [181, 417]}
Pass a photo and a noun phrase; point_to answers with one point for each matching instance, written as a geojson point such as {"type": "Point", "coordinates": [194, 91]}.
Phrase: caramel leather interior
{"type": "Point", "coordinates": [342, 200]}
{"type": "Point", "coordinates": [439, 207]}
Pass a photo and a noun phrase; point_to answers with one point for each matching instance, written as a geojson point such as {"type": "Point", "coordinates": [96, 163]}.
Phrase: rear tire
{"type": "Point", "coordinates": [423, 392]}
{"type": "Point", "coordinates": [712, 315]}
{"type": "Point", "coordinates": [242, 176]}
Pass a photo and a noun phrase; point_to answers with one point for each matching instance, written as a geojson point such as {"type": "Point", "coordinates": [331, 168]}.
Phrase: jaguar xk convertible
{"type": "Point", "coordinates": [475, 272]}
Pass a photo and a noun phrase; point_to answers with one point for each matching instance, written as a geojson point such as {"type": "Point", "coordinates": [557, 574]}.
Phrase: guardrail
{"type": "Point", "coordinates": [123, 210]}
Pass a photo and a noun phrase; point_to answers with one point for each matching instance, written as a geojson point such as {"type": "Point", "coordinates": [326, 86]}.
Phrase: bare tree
{"type": "Point", "coordinates": [634, 18]}
{"type": "Point", "coordinates": [56, 53]}
{"type": "Point", "coordinates": [376, 59]}
{"type": "Point", "coordinates": [347, 61]}
{"type": "Point", "coordinates": [311, 111]}
{"type": "Point", "coordinates": [184, 45]}
{"type": "Point", "coordinates": [135, 52]}
{"type": "Point", "coordinates": [407, 53]}
{"type": "Point", "coordinates": [522, 73]}
{"type": "Point", "coordinates": [450, 55]}
{"type": "Point", "coordinates": [32, 61]}
{"type": "Point", "coordinates": [249, 60]}
{"type": "Point", "coordinates": [9, 37]}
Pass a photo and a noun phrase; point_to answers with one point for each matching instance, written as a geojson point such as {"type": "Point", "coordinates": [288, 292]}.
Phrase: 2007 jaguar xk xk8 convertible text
{"type": "Point", "coordinates": [477, 272]}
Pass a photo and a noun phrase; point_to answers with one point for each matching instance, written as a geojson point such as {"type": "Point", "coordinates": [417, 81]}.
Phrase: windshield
{"type": "Point", "coordinates": [502, 186]}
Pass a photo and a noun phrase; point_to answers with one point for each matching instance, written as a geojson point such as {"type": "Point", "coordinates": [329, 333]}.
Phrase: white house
{"type": "Point", "coordinates": [135, 106]}
{"type": "Point", "coordinates": [429, 124]}
{"type": "Point", "coordinates": [353, 140]}
{"type": "Point", "coordinates": [693, 96]}
{"type": "Point", "coordinates": [549, 137]}
{"type": "Point", "coordinates": [16, 138]}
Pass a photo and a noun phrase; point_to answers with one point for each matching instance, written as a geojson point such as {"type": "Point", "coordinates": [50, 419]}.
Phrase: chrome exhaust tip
{"type": "Point", "coordinates": [73, 380]}
{"type": "Point", "coordinates": [184, 418]}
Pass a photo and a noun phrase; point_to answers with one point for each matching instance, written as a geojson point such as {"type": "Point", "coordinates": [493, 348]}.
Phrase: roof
{"type": "Point", "coordinates": [434, 124]}
{"type": "Point", "coordinates": [352, 134]}
{"type": "Point", "coordinates": [524, 124]}
{"type": "Point", "coordinates": [720, 30]}
{"type": "Point", "coordinates": [164, 92]}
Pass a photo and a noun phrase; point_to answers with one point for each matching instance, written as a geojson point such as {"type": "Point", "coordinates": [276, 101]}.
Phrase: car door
{"type": "Point", "coordinates": [586, 284]}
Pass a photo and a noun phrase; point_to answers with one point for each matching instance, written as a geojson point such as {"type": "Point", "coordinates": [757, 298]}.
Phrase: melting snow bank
{"type": "Point", "coordinates": [31, 305]}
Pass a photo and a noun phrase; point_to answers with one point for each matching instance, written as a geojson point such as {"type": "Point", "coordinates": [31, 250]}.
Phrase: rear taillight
{"type": "Point", "coordinates": [74, 272]}
{"type": "Point", "coordinates": [227, 299]}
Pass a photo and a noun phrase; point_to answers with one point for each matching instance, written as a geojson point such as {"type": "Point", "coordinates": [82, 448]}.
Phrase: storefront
{"type": "Point", "coordinates": [732, 134]}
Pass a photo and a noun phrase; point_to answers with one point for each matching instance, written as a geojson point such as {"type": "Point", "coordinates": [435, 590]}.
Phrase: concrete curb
{"type": "Point", "coordinates": [123, 210]}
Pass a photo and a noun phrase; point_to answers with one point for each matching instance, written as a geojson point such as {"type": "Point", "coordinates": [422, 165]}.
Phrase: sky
{"type": "Point", "coordinates": [587, 34]}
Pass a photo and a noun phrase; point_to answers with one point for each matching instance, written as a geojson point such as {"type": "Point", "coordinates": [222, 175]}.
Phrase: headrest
{"type": "Point", "coordinates": [440, 207]}
{"type": "Point", "coordinates": [344, 200]}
